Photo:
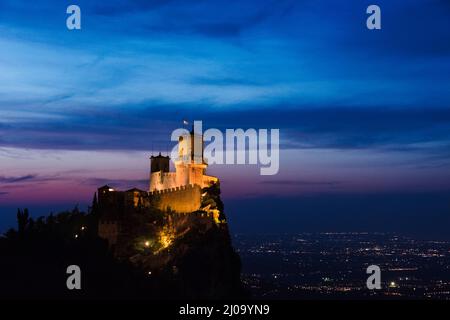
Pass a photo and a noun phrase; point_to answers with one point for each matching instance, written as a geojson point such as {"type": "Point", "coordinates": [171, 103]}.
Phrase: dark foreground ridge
{"type": "Point", "coordinates": [156, 254]}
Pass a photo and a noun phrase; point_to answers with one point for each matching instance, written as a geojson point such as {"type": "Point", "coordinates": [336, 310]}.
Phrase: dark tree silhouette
{"type": "Point", "coordinates": [33, 260]}
{"type": "Point", "coordinates": [23, 220]}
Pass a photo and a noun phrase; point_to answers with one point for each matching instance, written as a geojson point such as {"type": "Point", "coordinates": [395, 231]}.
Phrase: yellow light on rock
{"type": "Point", "coordinates": [165, 240]}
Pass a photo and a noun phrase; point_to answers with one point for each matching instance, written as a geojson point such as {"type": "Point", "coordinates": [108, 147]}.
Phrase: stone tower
{"type": "Point", "coordinates": [159, 163]}
{"type": "Point", "coordinates": [190, 166]}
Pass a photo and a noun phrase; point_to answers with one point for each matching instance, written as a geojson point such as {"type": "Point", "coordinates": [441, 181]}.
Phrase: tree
{"type": "Point", "coordinates": [23, 220]}
{"type": "Point", "coordinates": [94, 207]}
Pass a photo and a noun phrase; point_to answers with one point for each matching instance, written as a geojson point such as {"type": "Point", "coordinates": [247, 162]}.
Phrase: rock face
{"type": "Point", "coordinates": [190, 254]}
{"type": "Point", "coordinates": [200, 263]}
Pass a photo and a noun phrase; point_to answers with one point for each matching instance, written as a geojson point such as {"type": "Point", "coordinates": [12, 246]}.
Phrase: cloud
{"type": "Point", "coordinates": [259, 64]}
{"type": "Point", "coordinates": [28, 177]}
{"type": "Point", "coordinates": [115, 182]}
{"type": "Point", "coordinates": [218, 81]}
{"type": "Point", "coordinates": [302, 183]}
{"type": "Point", "coordinates": [135, 128]}
{"type": "Point", "coordinates": [205, 18]}
{"type": "Point", "coordinates": [125, 7]}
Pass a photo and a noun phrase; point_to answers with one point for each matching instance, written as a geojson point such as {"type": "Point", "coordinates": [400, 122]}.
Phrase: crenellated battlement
{"type": "Point", "coordinates": [171, 190]}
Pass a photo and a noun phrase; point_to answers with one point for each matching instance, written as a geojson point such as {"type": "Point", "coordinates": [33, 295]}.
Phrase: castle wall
{"type": "Point", "coordinates": [196, 174]}
{"type": "Point", "coordinates": [179, 199]}
{"type": "Point", "coordinates": [108, 230]}
{"type": "Point", "coordinates": [162, 180]}
{"type": "Point", "coordinates": [182, 177]}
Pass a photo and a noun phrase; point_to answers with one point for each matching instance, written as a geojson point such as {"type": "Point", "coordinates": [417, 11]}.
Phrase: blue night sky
{"type": "Point", "coordinates": [364, 116]}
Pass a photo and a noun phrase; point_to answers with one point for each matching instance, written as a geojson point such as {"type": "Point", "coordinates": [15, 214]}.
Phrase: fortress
{"type": "Point", "coordinates": [178, 193]}
{"type": "Point", "coordinates": [180, 190]}
{"type": "Point", "coordinates": [190, 166]}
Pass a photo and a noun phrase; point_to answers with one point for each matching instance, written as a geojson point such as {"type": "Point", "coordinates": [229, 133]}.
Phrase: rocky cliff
{"type": "Point", "coordinates": [157, 255]}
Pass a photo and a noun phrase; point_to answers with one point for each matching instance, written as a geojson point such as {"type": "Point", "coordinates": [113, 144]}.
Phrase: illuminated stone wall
{"type": "Point", "coordinates": [185, 174]}
{"type": "Point", "coordinates": [162, 180]}
{"type": "Point", "coordinates": [179, 199]}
